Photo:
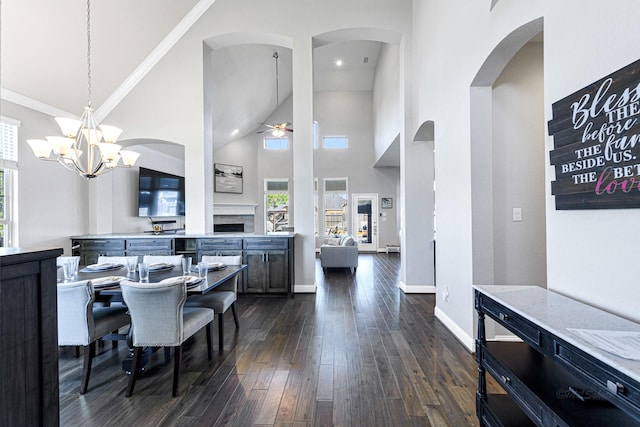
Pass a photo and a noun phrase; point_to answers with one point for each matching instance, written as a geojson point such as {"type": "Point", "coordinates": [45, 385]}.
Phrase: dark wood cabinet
{"type": "Point", "coordinates": [270, 259]}
{"type": "Point", "coordinates": [552, 378]}
{"type": "Point", "coordinates": [29, 337]}
{"type": "Point", "coordinates": [269, 265]}
{"type": "Point", "coordinates": [219, 246]}
{"type": "Point", "coordinates": [90, 250]}
{"type": "Point", "coordinates": [143, 247]}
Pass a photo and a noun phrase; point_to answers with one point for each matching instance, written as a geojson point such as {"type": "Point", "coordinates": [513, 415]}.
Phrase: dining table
{"type": "Point", "coordinates": [109, 291]}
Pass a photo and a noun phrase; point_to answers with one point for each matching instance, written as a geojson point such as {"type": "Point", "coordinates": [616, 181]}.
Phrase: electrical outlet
{"type": "Point", "coordinates": [445, 294]}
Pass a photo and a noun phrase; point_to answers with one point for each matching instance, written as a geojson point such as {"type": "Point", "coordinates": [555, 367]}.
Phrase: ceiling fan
{"type": "Point", "coordinates": [277, 129]}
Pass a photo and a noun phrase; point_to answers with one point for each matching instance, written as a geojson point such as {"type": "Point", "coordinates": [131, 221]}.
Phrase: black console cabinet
{"type": "Point", "coordinates": [29, 337]}
{"type": "Point", "coordinates": [552, 377]}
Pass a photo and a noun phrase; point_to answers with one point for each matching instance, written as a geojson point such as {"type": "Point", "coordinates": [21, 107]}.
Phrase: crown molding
{"type": "Point", "coordinates": [33, 104]}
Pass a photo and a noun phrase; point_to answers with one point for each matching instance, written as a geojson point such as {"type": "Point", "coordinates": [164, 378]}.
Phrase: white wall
{"type": "Point", "coordinates": [387, 107]}
{"type": "Point", "coordinates": [518, 170]}
{"type": "Point", "coordinates": [351, 114]}
{"type": "Point", "coordinates": [583, 42]}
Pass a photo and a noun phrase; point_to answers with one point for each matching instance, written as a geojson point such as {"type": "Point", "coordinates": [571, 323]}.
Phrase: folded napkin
{"type": "Point", "coordinates": [160, 266]}
{"type": "Point", "coordinates": [103, 266]}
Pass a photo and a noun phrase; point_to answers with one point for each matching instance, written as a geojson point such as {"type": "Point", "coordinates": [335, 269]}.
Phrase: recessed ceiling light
{"type": "Point", "coordinates": [339, 62]}
{"type": "Point", "coordinates": [235, 132]}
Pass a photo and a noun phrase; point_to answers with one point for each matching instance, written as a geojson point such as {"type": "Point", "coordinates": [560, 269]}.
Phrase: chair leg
{"type": "Point", "coordinates": [235, 315]}
{"type": "Point", "coordinates": [176, 368]}
{"type": "Point", "coordinates": [135, 370]}
{"type": "Point", "coordinates": [89, 352]}
{"type": "Point", "coordinates": [114, 343]}
{"type": "Point", "coordinates": [209, 331]}
{"type": "Point", "coordinates": [220, 331]}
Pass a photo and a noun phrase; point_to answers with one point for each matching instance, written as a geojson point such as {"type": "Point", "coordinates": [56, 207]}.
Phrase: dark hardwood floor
{"type": "Point", "coordinates": [357, 353]}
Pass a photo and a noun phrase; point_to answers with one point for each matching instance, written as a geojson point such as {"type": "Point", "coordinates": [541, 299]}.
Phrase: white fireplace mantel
{"type": "Point", "coordinates": [234, 208]}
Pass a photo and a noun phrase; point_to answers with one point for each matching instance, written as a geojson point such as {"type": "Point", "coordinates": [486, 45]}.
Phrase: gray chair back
{"type": "Point", "coordinates": [172, 259]}
{"type": "Point", "coordinates": [231, 284]}
{"type": "Point", "coordinates": [156, 312]}
{"type": "Point", "coordinates": [116, 259]}
{"type": "Point", "coordinates": [228, 259]}
{"type": "Point", "coordinates": [75, 313]}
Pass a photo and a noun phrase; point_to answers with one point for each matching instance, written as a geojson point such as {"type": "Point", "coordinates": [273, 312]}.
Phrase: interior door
{"type": "Point", "coordinates": [365, 221]}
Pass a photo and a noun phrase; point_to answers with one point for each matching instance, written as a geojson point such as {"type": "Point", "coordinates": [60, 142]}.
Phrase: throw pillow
{"type": "Point", "coordinates": [348, 240]}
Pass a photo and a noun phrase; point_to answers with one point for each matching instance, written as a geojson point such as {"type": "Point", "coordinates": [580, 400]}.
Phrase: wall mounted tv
{"type": "Point", "coordinates": [160, 194]}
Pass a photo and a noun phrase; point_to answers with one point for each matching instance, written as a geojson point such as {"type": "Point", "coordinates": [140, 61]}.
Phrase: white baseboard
{"type": "Point", "coordinates": [416, 289]}
{"type": "Point", "coordinates": [506, 338]}
{"type": "Point", "coordinates": [468, 341]}
{"type": "Point", "coordinates": [305, 289]}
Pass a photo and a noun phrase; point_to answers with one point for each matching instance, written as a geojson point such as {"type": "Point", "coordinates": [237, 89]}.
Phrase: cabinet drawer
{"type": "Point", "coordinates": [266, 243]}
{"type": "Point", "coordinates": [103, 244]}
{"type": "Point", "coordinates": [219, 244]}
{"type": "Point", "coordinates": [512, 321]}
{"type": "Point", "coordinates": [149, 244]}
{"type": "Point", "coordinates": [624, 392]}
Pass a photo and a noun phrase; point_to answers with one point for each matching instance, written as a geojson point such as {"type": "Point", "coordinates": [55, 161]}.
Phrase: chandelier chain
{"type": "Point", "coordinates": [89, 53]}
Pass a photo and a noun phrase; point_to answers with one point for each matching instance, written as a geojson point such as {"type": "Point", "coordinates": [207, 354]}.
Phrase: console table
{"type": "Point", "coordinates": [553, 377]}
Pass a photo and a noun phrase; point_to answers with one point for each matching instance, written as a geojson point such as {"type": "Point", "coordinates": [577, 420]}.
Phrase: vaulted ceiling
{"type": "Point", "coordinates": [44, 52]}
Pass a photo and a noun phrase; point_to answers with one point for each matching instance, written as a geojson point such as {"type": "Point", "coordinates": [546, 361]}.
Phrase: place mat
{"type": "Point", "coordinates": [106, 266]}
{"type": "Point", "coordinates": [104, 282]}
{"type": "Point", "coordinates": [160, 266]}
{"type": "Point", "coordinates": [189, 280]}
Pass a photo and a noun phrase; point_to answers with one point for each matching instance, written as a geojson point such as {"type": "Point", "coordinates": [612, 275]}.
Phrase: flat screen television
{"type": "Point", "coordinates": [160, 194]}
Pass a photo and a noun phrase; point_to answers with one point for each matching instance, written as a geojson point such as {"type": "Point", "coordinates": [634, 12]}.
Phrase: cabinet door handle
{"type": "Point", "coordinates": [503, 316]}
{"type": "Point", "coordinates": [505, 380]}
{"type": "Point", "coordinates": [615, 387]}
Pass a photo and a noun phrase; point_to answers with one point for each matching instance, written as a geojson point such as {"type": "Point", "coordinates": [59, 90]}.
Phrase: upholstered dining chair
{"type": "Point", "coordinates": [159, 319]}
{"type": "Point", "coordinates": [171, 259]}
{"type": "Point", "coordinates": [220, 298]}
{"type": "Point", "coordinates": [82, 324]}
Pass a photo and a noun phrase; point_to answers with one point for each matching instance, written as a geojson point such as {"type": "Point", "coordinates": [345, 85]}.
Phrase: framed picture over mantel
{"type": "Point", "coordinates": [227, 178]}
{"type": "Point", "coordinates": [596, 138]}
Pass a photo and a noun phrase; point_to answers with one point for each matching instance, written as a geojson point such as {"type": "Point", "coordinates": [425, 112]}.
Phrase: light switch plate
{"type": "Point", "coordinates": [517, 214]}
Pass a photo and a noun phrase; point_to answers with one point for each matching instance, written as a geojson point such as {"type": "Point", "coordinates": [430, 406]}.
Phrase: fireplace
{"type": "Point", "coordinates": [228, 228]}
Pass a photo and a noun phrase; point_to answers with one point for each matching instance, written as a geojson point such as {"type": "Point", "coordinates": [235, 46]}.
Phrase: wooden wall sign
{"type": "Point", "coordinates": [596, 138]}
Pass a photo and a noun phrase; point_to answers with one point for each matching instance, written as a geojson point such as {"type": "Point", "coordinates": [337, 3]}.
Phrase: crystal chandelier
{"type": "Point", "coordinates": [86, 148]}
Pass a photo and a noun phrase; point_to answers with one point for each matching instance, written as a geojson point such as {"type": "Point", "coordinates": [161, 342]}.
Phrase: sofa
{"type": "Point", "coordinates": [340, 252]}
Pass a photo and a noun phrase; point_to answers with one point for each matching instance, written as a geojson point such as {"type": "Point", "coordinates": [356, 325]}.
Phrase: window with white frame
{"type": "Point", "coordinates": [335, 142]}
{"type": "Point", "coordinates": [8, 179]}
{"type": "Point", "coordinates": [336, 206]}
{"type": "Point", "coordinates": [276, 143]}
{"type": "Point", "coordinates": [276, 204]}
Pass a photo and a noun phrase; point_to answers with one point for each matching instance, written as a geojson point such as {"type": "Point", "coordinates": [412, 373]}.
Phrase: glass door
{"type": "Point", "coordinates": [365, 221]}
